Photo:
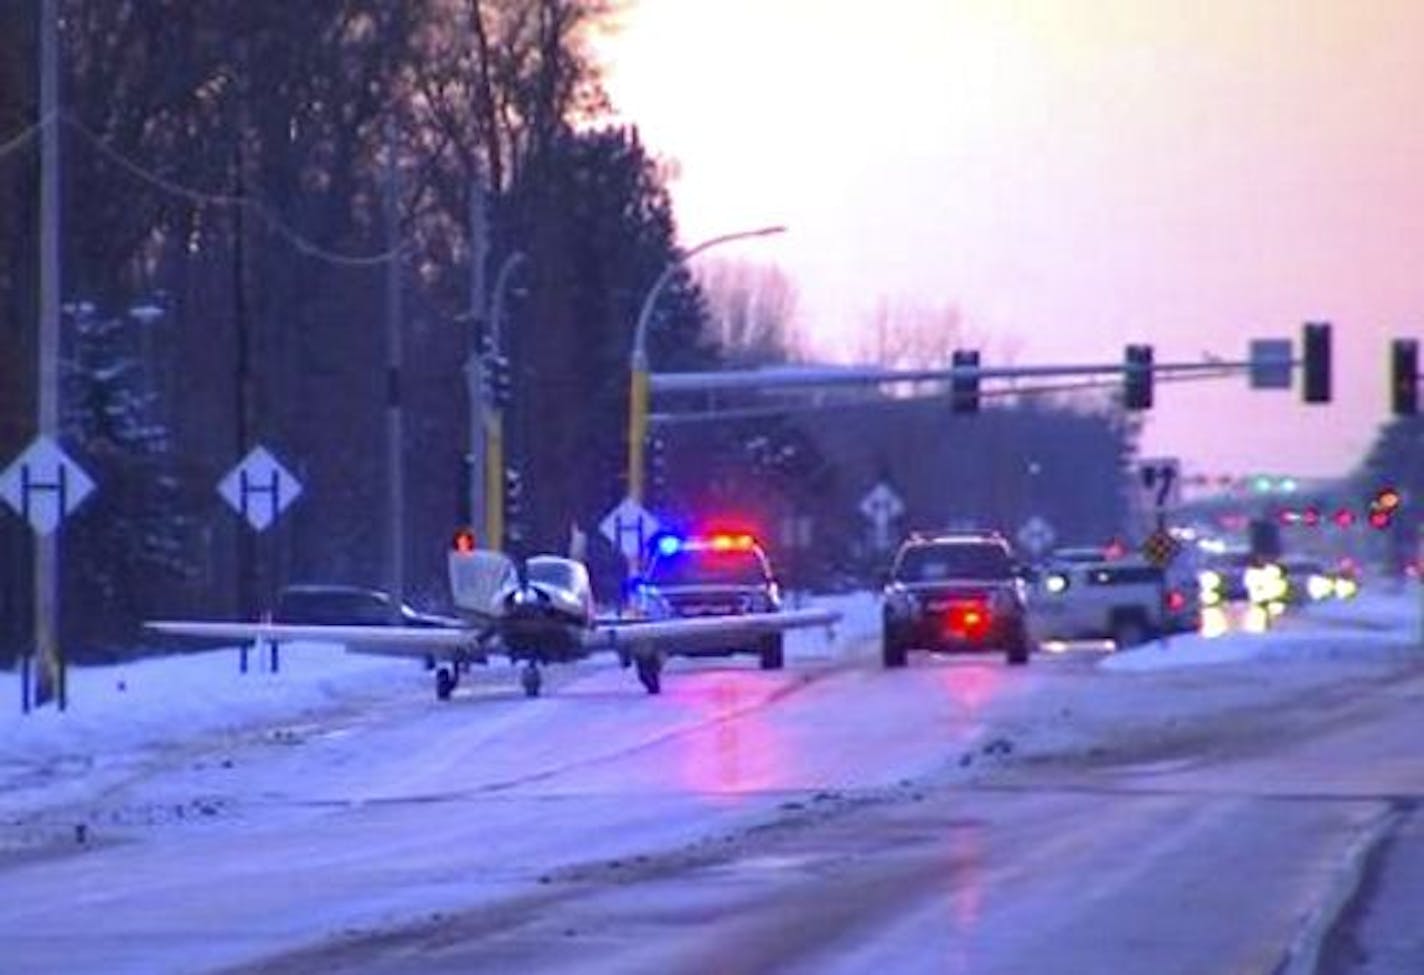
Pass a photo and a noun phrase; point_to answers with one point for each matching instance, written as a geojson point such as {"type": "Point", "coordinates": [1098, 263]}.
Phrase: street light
{"type": "Point", "coordinates": [638, 361]}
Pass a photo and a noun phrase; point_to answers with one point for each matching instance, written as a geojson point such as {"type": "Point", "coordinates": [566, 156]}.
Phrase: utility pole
{"type": "Point", "coordinates": [244, 388]}
{"type": "Point", "coordinates": [474, 370]}
{"type": "Point", "coordinates": [395, 428]}
{"type": "Point", "coordinates": [51, 682]}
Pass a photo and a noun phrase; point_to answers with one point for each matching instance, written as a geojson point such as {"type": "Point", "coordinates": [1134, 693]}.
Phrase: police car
{"type": "Point", "coordinates": [720, 574]}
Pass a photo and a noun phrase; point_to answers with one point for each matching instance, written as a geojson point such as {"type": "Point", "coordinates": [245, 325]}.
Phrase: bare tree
{"type": "Point", "coordinates": [902, 334]}
{"type": "Point", "coordinates": [751, 312]}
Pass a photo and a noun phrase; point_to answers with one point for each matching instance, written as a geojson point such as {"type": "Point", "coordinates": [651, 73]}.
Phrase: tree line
{"type": "Point", "coordinates": [236, 181]}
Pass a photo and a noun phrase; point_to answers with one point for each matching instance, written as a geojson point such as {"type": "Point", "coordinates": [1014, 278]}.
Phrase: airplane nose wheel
{"type": "Point", "coordinates": [531, 680]}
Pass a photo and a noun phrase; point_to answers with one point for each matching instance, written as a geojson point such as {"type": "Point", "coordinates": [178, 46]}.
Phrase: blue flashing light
{"type": "Point", "coordinates": [667, 545]}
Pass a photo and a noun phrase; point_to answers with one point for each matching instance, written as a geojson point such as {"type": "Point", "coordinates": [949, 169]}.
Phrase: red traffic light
{"type": "Point", "coordinates": [464, 541]}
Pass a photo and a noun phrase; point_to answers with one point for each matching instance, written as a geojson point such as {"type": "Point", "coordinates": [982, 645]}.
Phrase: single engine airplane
{"type": "Point", "coordinates": [536, 611]}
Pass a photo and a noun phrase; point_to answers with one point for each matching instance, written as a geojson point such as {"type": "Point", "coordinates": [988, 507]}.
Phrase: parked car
{"type": "Point", "coordinates": [336, 604]}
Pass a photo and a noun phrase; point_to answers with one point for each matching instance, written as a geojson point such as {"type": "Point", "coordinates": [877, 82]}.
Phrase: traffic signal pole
{"type": "Point", "coordinates": [494, 478]}
{"type": "Point", "coordinates": [638, 389]}
{"type": "Point", "coordinates": [499, 372]}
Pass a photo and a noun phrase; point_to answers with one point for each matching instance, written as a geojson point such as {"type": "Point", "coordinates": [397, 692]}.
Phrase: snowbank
{"type": "Point", "coordinates": [164, 700]}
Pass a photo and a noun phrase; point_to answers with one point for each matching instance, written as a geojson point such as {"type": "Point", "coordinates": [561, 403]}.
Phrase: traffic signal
{"type": "Point", "coordinates": [1404, 377]}
{"type": "Point", "coordinates": [514, 504]}
{"type": "Point", "coordinates": [1315, 341]}
{"type": "Point", "coordinates": [1137, 378]}
{"type": "Point", "coordinates": [499, 384]}
{"type": "Point", "coordinates": [657, 467]}
{"type": "Point", "coordinates": [964, 390]}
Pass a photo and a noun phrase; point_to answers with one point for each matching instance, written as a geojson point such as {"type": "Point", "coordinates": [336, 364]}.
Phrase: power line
{"type": "Point", "coordinates": [18, 140]}
{"type": "Point", "coordinates": [263, 210]}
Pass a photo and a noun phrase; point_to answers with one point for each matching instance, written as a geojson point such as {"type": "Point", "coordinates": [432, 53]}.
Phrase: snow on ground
{"type": "Point", "coordinates": [1377, 622]}
{"type": "Point", "coordinates": [166, 700]}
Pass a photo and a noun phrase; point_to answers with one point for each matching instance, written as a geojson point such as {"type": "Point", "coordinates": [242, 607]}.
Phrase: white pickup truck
{"type": "Point", "coordinates": [1127, 600]}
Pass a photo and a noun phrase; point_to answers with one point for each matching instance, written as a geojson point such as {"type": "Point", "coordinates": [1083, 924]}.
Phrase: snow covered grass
{"type": "Point", "coordinates": [1378, 622]}
{"type": "Point", "coordinates": [157, 701]}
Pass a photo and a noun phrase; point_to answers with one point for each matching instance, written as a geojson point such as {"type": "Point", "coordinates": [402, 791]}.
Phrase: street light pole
{"type": "Point", "coordinates": [494, 413]}
{"type": "Point", "coordinates": [638, 374]}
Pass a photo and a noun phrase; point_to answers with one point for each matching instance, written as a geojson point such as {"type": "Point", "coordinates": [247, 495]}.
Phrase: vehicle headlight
{"type": "Point", "coordinates": [1209, 581]}
{"type": "Point", "coordinates": [1319, 587]}
{"type": "Point", "coordinates": [1055, 583]}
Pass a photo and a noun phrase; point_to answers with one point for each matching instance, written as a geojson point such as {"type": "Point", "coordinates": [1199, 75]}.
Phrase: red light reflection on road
{"type": "Point", "coordinates": [970, 686]}
{"type": "Point", "coordinates": [739, 751]}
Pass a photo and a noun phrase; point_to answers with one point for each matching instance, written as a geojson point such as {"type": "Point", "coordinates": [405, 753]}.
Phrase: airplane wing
{"type": "Point", "coordinates": [648, 634]}
{"type": "Point", "coordinates": [414, 641]}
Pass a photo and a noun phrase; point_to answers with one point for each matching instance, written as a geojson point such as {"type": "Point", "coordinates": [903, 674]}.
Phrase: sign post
{"type": "Point", "coordinates": [1036, 536]}
{"type": "Point", "coordinates": [259, 489]}
{"type": "Point", "coordinates": [881, 505]}
{"type": "Point", "coordinates": [629, 526]}
{"type": "Point", "coordinates": [44, 485]}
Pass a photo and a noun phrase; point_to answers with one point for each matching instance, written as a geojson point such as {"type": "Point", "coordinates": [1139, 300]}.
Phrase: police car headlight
{"type": "Point", "coordinates": [1055, 583]}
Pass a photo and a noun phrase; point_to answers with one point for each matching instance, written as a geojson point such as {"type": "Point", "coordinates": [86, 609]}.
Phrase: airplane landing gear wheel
{"type": "Point", "coordinates": [445, 681]}
{"type": "Point", "coordinates": [531, 680]}
{"type": "Point", "coordinates": [650, 673]}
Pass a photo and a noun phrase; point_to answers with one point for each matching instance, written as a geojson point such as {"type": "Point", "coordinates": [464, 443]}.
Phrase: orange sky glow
{"type": "Point", "coordinates": [1074, 175]}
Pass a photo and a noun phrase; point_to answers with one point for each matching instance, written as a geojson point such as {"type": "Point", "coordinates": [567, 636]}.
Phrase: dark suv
{"type": "Point", "coordinates": [321, 603]}
{"type": "Point", "coordinates": [716, 575]}
{"type": "Point", "coordinates": [955, 591]}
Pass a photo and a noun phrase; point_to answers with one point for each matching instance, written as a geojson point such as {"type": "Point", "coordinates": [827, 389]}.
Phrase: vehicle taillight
{"type": "Point", "coordinates": [969, 619]}
{"type": "Point", "coordinates": [464, 541]}
{"type": "Point", "coordinates": [1176, 601]}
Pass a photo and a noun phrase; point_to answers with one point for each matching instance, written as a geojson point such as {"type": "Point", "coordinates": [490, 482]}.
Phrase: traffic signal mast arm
{"type": "Point", "coordinates": [830, 376]}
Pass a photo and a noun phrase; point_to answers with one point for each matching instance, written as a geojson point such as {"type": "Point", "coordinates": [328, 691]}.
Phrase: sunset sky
{"type": "Point", "coordinates": [1074, 175]}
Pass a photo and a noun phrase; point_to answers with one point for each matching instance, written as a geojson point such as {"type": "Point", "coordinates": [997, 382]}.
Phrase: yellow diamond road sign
{"type": "Point", "coordinates": [1160, 548]}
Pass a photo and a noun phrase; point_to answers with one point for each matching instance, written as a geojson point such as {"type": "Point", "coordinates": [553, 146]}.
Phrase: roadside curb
{"type": "Point", "coordinates": [1303, 956]}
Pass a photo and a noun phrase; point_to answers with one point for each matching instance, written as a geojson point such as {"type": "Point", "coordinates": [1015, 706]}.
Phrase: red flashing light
{"type": "Point", "coordinates": [732, 543]}
{"type": "Point", "coordinates": [1176, 601]}
{"type": "Point", "coordinates": [1344, 518]}
{"type": "Point", "coordinates": [464, 541]}
{"type": "Point", "coordinates": [1379, 519]}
